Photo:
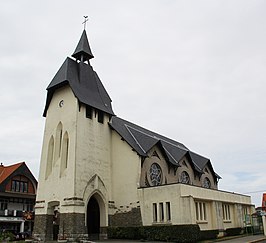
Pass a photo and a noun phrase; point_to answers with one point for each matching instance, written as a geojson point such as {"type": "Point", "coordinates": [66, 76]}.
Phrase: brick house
{"type": "Point", "coordinates": [17, 198]}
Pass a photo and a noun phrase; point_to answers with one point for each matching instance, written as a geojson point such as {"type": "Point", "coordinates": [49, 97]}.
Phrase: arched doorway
{"type": "Point", "coordinates": [93, 218]}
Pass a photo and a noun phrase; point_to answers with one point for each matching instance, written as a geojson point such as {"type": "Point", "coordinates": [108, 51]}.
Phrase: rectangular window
{"type": "Point", "coordinates": [89, 112]}
{"type": "Point", "coordinates": [204, 211]}
{"type": "Point", "coordinates": [168, 211]}
{"type": "Point", "coordinates": [13, 186]}
{"type": "Point", "coordinates": [161, 212]}
{"type": "Point", "coordinates": [19, 186]}
{"type": "Point", "coordinates": [155, 217]}
{"type": "Point", "coordinates": [226, 212]}
{"type": "Point", "coordinates": [25, 187]}
{"type": "Point", "coordinates": [100, 116]}
{"type": "Point", "coordinates": [201, 212]}
{"type": "Point", "coordinates": [197, 210]}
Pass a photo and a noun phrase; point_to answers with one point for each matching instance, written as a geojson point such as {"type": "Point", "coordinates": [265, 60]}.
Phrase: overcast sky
{"type": "Point", "coordinates": [191, 70]}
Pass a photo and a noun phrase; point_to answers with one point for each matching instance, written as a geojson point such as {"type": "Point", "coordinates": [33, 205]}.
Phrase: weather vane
{"type": "Point", "coordinates": [85, 21]}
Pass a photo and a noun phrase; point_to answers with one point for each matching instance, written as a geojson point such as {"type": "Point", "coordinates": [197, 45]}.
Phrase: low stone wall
{"type": "Point", "coordinates": [43, 227]}
{"type": "Point", "coordinates": [131, 218]}
{"type": "Point", "coordinates": [71, 225]}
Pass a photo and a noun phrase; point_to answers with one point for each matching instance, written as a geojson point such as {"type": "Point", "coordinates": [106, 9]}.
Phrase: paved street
{"type": "Point", "coordinates": [251, 238]}
{"type": "Point", "coordinates": [246, 239]}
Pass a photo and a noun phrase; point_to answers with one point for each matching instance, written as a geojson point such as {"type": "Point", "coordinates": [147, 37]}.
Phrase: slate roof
{"type": "Point", "coordinates": [142, 140]}
{"type": "Point", "coordinates": [89, 90]}
{"type": "Point", "coordinates": [83, 49]}
{"type": "Point", "coordinates": [82, 79]}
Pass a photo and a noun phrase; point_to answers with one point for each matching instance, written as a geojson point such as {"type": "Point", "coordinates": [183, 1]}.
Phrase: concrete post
{"type": "Point", "coordinates": [22, 226]}
{"type": "Point", "coordinates": [264, 224]}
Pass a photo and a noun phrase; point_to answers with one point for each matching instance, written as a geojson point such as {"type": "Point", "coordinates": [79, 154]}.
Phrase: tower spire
{"type": "Point", "coordinates": [83, 51]}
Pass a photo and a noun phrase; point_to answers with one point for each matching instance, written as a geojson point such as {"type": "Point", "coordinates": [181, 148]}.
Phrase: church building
{"type": "Point", "coordinates": [99, 170]}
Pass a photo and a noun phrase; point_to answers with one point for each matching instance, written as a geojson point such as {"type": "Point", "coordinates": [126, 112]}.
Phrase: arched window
{"type": "Point", "coordinates": [50, 156]}
{"type": "Point", "coordinates": [58, 141]}
{"type": "Point", "coordinates": [184, 178]}
{"type": "Point", "coordinates": [206, 183]}
{"type": "Point", "coordinates": [65, 145]}
{"type": "Point", "coordinates": [155, 174]}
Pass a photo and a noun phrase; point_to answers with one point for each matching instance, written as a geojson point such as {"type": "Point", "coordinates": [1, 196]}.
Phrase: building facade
{"type": "Point", "coordinates": [99, 170]}
{"type": "Point", "coordinates": [17, 198]}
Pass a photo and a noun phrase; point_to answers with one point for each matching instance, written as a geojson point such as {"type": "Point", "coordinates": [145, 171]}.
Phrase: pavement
{"type": "Point", "coordinates": [242, 239]}
{"type": "Point", "coordinates": [246, 239]}
{"type": "Point", "coordinates": [237, 239]}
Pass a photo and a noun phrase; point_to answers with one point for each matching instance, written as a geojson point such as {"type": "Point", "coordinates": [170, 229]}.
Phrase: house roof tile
{"type": "Point", "coordinates": [6, 171]}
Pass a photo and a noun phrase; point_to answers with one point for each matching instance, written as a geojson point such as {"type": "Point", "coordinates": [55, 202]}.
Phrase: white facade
{"type": "Point", "coordinates": [85, 158]}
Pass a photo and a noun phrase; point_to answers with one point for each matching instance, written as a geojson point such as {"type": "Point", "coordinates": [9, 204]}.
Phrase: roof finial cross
{"type": "Point", "coordinates": [85, 21]}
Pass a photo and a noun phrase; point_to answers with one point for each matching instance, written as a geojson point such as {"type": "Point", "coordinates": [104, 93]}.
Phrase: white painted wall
{"type": "Point", "coordinates": [126, 169]}
{"type": "Point", "coordinates": [56, 187]}
{"type": "Point", "coordinates": [182, 199]}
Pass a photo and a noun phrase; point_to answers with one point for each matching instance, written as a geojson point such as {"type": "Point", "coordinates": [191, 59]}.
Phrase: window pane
{"type": "Point", "coordinates": [17, 186]}
{"type": "Point", "coordinates": [161, 212]}
{"type": "Point", "coordinates": [21, 188]}
{"type": "Point", "coordinates": [204, 211]}
{"type": "Point", "coordinates": [197, 211]}
{"type": "Point", "coordinates": [168, 211]}
{"type": "Point", "coordinates": [13, 186]}
{"type": "Point", "coordinates": [154, 212]}
{"type": "Point", "coordinates": [25, 189]}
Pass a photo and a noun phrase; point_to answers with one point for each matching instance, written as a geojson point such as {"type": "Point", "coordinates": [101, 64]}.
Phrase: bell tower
{"type": "Point", "coordinates": [74, 178]}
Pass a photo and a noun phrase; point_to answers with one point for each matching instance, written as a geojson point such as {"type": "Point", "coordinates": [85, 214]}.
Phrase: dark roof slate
{"type": "Point", "coordinates": [84, 83]}
{"type": "Point", "coordinates": [83, 49]}
{"type": "Point", "coordinates": [82, 79]}
{"type": "Point", "coordinates": [142, 140]}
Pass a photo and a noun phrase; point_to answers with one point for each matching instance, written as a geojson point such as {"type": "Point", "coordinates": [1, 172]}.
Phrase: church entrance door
{"type": "Point", "coordinates": [93, 218]}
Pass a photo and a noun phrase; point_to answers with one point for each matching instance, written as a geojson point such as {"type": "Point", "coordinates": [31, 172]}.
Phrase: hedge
{"type": "Point", "coordinates": [178, 233]}
{"type": "Point", "coordinates": [233, 231]}
{"type": "Point", "coordinates": [208, 234]}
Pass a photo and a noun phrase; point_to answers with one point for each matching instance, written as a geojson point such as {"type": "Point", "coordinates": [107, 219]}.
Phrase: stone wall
{"type": "Point", "coordinates": [43, 227]}
{"type": "Point", "coordinates": [126, 219]}
{"type": "Point", "coordinates": [72, 225]}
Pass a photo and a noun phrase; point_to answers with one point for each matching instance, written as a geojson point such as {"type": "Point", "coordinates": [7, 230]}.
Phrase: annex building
{"type": "Point", "coordinates": [18, 189]}
{"type": "Point", "coordinates": [99, 170]}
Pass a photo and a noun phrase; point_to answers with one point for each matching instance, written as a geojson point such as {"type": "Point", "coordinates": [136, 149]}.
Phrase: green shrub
{"type": "Point", "coordinates": [178, 233]}
{"type": "Point", "coordinates": [208, 234]}
{"type": "Point", "coordinates": [123, 232]}
{"type": "Point", "coordinates": [7, 236]}
{"type": "Point", "coordinates": [233, 231]}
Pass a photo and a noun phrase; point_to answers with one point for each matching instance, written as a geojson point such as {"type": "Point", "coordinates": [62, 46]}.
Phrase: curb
{"type": "Point", "coordinates": [258, 240]}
